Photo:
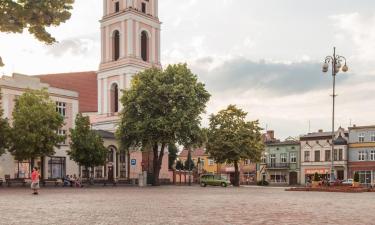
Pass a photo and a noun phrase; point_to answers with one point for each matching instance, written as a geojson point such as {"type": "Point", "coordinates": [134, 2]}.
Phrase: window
{"type": "Point", "coordinates": [317, 156]}
{"type": "Point", "coordinates": [372, 155]}
{"type": "Point", "coordinates": [116, 45]}
{"type": "Point", "coordinates": [62, 133]}
{"type": "Point", "coordinates": [361, 155]}
{"type": "Point", "coordinates": [373, 136]}
{"type": "Point", "coordinates": [117, 6]}
{"type": "Point", "coordinates": [144, 46]}
{"type": "Point", "coordinates": [56, 167]}
{"type": "Point", "coordinates": [273, 159]}
{"type": "Point", "coordinates": [143, 7]}
{"type": "Point", "coordinates": [335, 155]}
{"type": "Point", "coordinates": [293, 157]}
{"type": "Point", "coordinates": [328, 155]}
{"type": "Point", "coordinates": [283, 158]}
{"type": "Point", "coordinates": [110, 154]}
{"type": "Point", "coordinates": [293, 147]}
{"type": "Point", "coordinates": [361, 137]}
{"type": "Point", "coordinates": [365, 177]}
{"type": "Point", "coordinates": [61, 108]}
{"type": "Point", "coordinates": [22, 170]}
{"type": "Point", "coordinates": [211, 162]}
{"type": "Point", "coordinates": [99, 172]}
{"type": "Point", "coordinates": [307, 156]}
{"type": "Point", "coordinates": [264, 159]}
{"type": "Point", "coordinates": [114, 98]}
{"type": "Point", "coordinates": [341, 156]}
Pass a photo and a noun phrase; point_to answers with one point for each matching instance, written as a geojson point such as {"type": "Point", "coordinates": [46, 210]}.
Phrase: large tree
{"type": "Point", "coordinates": [161, 108]}
{"type": "Point", "coordinates": [35, 125]}
{"type": "Point", "coordinates": [231, 138]}
{"type": "Point", "coordinates": [4, 131]}
{"type": "Point", "coordinates": [86, 146]}
{"type": "Point", "coordinates": [35, 16]}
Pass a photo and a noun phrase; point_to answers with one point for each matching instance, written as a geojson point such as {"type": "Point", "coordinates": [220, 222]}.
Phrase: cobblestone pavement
{"type": "Point", "coordinates": [183, 205]}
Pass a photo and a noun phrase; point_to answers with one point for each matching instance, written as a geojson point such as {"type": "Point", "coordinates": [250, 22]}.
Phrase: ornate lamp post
{"type": "Point", "coordinates": [336, 62]}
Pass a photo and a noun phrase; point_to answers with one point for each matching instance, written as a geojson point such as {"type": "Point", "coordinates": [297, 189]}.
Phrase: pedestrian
{"type": "Point", "coordinates": [35, 180]}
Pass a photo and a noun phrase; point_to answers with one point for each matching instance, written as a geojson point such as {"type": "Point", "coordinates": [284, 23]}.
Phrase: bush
{"type": "Point", "coordinates": [356, 177]}
{"type": "Point", "coordinates": [262, 183]}
{"type": "Point", "coordinates": [316, 177]}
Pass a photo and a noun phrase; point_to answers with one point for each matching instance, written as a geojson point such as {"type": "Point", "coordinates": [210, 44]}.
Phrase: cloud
{"type": "Point", "coordinates": [268, 78]}
{"type": "Point", "coordinates": [75, 46]}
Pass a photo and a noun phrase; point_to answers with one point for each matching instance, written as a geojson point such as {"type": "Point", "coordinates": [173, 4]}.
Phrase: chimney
{"type": "Point", "coordinates": [320, 130]}
{"type": "Point", "coordinates": [271, 134]}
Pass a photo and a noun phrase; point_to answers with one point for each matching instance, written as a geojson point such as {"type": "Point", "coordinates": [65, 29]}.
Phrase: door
{"type": "Point", "coordinates": [293, 178]}
{"type": "Point", "coordinates": [110, 173]}
{"type": "Point", "coordinates": [340, 174]}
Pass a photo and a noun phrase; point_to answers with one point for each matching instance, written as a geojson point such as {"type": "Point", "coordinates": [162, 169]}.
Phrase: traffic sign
{"type": "Point", "coordinates": [133, 162]}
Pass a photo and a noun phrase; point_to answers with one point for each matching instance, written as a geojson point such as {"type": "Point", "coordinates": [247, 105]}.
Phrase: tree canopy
{"type": "Point", "coordinates": [86, 146]}
{"type": "Point", "coordinates": [35, 126]}
{"type": "Point", "coordinates": [231, 138]}
{"type": "Point", "coordinates": [35, 16]}
{"type": "Point", "coordinates": [4, 132]}
{"type": "Point", "coordinates": [160, 108]}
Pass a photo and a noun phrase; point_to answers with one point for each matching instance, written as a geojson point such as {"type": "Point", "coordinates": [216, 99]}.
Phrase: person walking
{"type": "Point", "coordinates": [35, 180]}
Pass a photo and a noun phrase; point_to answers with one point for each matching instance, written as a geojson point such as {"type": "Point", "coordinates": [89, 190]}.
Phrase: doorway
{"type": "Point", "coordinates": [340, 174]}
{"type": "Point", "coordinates": [110, 173]}
{"type": "Point", "coordinates": [293, 178]}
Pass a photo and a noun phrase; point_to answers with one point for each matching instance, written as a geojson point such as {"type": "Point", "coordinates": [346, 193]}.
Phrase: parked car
{"type": "Point", "coordinates": [213, 180]}
{"type": "Point", "coordinates": [347, 182]}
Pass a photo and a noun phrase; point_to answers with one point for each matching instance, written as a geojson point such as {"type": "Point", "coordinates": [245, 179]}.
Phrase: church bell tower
{"type": "Point", "coordinates": [130, 43]}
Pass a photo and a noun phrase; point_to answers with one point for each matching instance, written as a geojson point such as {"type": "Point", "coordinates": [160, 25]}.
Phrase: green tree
{"type": "Point", "coordinates": [35, 16]}
{"type": "Point", "coordinates": [172, 155]}
{"type": "Point", "coordinates": [160, 108]}
{"type": "Point", "coordinates": [179, 165]}
{"type": "Point", "coordinates": [86, 146]}
{"type": "Point", "coordinates": [189, 163]}
{"type": "Point", "coordinates": [4, 132]}
{"type": "Point", "coordinates": [35, 125]}
{"type": "Point", "coordinates": [231, 138]}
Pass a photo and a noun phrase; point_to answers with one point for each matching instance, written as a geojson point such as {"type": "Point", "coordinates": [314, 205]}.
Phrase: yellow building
{"type": "Point", "coordinates": [205, 165]}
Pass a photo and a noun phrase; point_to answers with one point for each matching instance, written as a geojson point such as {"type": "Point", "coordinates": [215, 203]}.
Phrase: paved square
{"type": "Point", "coordinates": [183, 205]}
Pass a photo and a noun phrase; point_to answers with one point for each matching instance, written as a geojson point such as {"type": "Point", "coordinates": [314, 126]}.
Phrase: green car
{"type": "Point", "coordinates": [213, 180]}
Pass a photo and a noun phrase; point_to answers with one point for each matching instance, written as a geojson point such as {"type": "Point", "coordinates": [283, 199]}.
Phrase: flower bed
{"type": "Point", "coordinates": [345, 189]}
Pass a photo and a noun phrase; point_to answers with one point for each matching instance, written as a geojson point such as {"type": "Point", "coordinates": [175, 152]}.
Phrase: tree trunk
{"type": "Point", "coordinates": [157, 161]}
{"type": "Point", "coordinates": [128, 164]}
{"type": "Point", "coordinates": [236, 174]}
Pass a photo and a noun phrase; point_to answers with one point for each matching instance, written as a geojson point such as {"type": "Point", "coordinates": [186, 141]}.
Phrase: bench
{"type": "Point", "coordinates": [9, 182]}
{"type": "Point", "coordinates": [55, 182]}
{"type": "Point", "coordinates": [105, 182]}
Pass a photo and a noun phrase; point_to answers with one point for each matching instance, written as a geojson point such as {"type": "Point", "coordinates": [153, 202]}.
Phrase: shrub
{"type": "Point", "coordinates": [316, 177]}
{"type": "Point", "coordinates": [262, 183]}
{"type": "Point", "coordinates": [356, 177]}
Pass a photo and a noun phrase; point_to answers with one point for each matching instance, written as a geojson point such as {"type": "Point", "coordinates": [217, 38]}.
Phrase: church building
{"type": "Point", "coordinates": [130, 43]}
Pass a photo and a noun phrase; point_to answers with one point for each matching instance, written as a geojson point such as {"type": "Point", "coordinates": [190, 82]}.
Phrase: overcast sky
{"type": "Point", "coordinates": [264, 55]}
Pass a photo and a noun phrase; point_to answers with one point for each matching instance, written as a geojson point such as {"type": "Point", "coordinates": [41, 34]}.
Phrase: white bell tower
{"type": "Point", "coordinates": [130, 42]}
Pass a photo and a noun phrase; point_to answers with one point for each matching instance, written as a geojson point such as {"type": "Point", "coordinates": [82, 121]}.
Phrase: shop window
{"type": "Point", "coordinates": [23, 169]}
{"type": "Point", "coordinates": [56, 167]}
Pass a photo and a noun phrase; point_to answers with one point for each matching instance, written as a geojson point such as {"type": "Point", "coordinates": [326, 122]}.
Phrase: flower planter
{"type": "Point", "coordinates": [356, 184]}
{"type": "Point", "coordinates": [315, 184]}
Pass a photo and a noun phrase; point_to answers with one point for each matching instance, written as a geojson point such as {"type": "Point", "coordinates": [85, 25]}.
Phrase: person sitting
{"type": "Point", "coordinates": [66, 181]}
{"type": "Point", "coordinates": [72, 180]}
{"type": "Point", "coordinates": [78, 182]}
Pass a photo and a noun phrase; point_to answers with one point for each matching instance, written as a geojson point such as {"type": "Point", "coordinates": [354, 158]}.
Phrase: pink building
{"type": "Point", "coordinates": [67, 105]}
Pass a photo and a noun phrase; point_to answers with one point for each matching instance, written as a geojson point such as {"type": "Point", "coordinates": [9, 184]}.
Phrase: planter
{"type": "Point", "coordinates": [315, 184]}
{"type": "Point", "coordinates": [356, 184]}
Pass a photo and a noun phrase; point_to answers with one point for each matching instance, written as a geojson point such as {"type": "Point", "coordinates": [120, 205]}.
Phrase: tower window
{"type": "Point", "coordinates": [144, 46]}
{"type": "Point", "coordinates": [114, 98]}
{"type": "Point", "coordinates": [116, 45]}
{"type": "Point", "coordinates": [143, 7]}
{"type": "Point", "coordinates": [117, 6]}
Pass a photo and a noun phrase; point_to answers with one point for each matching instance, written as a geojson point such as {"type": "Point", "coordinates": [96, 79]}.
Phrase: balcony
{"type": "Point", "coordinates": [278, 166]}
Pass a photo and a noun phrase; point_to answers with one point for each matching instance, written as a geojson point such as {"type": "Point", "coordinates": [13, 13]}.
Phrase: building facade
{"type": "Point", "coordinates": [67, 104]}
{"type": "Point", "coordinates": [362, 153]}
{"type": "Point", "coordinates": [316, 155]}
{"type": "Point", "coordinates": [201, 159]}
{"type": "Point", "coordinates": [281, 162]}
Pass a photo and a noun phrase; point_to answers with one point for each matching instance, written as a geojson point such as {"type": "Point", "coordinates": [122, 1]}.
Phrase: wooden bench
{"type": "Point", "coordinates": [56, 182]}
{"type": "Point", "coordinates": [9, 182]}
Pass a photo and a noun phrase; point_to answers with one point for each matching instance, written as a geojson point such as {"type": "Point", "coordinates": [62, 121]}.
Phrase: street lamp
{"type": "Point", "coordinates": [336, 62]}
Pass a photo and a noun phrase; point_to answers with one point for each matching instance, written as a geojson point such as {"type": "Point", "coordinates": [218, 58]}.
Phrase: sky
{"type": "Point", "coordinates": [265, 56]}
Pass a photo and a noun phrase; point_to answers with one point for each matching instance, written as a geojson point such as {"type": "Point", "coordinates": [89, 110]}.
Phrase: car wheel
{"type": "Point", "coordinates": [203, 184]}
{"type": "Point", "coordinates": [223, 184]}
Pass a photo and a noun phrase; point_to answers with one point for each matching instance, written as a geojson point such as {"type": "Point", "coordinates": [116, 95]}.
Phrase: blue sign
{"type": "Point", "coordinates": [133, 162]}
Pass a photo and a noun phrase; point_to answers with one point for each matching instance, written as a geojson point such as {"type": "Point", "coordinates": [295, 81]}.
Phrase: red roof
{"type": "Point", "coordinates": [85, 83]}
{"type": "Point", "coordinates": [194, 153]}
